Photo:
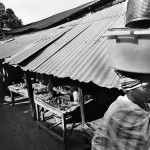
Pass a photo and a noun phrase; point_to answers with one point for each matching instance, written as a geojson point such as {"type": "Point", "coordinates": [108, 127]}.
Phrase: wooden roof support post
{"type": "Point", "coordinates": [81, 102]}
{"type": "Point", "coordinates": [30, 94]}
{"type": "Point", "coordinates": [2, 70]}
{"type": "Point", "coordinates": [4, 74]}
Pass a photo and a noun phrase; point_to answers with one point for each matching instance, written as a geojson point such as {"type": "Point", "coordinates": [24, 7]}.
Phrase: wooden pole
{"type": "Point", "coordinates": [30, 94]}
{"type": "Point", "coordinates": [1, 70]}
{"type": "Point", "coordinates": [81, 101]}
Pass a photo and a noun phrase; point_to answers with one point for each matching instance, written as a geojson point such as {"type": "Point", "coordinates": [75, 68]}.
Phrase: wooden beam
{"type": "Point", "coordinates": [12, 98]}
{"type": "Point", "coordinates": [30, 93]}
{"type": "Point", "coordinates": [81, 102]}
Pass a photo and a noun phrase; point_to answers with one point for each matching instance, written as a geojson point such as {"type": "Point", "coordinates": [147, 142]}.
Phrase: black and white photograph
{"type": "Point", "coordinates": [74, 74]}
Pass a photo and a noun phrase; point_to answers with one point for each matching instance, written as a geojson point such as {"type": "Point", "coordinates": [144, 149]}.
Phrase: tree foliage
{"type": "Point", "coordinates": [8, 19]}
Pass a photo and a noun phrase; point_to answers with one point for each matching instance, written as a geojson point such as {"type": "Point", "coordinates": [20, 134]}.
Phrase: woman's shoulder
{"type": "Point", "coordinates": [121, 101]}
{"type": "Point", "coordinates": [122, 105]}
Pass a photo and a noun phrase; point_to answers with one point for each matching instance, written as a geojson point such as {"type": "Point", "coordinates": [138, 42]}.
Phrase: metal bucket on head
{"type": "Point", "coordinates": [138, 14]}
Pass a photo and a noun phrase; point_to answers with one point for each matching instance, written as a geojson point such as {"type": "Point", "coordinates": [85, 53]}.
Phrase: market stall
{"type": "Point", "coordinates": [60, 110]}
{"type": "Point", "coordinates": [53, 103]}
{"type": "Point", "coordinates": [57, 110]}
{"type": "Point", "coordinates": [19, 89]}
{"type": "Point", "coordinates": [72, 54]}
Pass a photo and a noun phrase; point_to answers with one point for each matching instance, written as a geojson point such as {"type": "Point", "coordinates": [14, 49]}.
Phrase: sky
{"type": "Point", "coordinates": [34, 10]}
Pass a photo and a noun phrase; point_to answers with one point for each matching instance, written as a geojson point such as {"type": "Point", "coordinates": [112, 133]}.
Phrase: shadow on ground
{"type": "Point", "coordinates": [19, 132]}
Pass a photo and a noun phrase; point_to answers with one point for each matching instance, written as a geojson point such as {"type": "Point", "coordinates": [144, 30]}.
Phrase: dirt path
{"type": "Point", "coordinates": [19, 132]}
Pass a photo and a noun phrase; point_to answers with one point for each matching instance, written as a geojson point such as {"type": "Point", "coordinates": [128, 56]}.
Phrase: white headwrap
{"type": "Point", "coordinates": [128, 83]}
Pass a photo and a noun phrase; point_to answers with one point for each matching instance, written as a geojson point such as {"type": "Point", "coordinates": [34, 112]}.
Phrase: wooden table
{"type": "Point", "coordinates": [21, 91]}
{"type": "Point", "coordinates": [42, 107]}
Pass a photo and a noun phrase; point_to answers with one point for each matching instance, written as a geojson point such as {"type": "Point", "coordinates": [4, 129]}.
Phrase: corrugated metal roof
{"type": "Point", "coordinates": [81, 53]}
{"type": "Point", "coordinates": [24, 42]}
{"type": "Point", "coordinates": [19, 43]}
{"type": "Point", "coordinates": [50, 20]}
{"type": "Point", "coordinates": [62, 17]}
{"type": "Point", "coordinates": [56, 47]}
{"type": "Point", "coordinates": [38, 46]}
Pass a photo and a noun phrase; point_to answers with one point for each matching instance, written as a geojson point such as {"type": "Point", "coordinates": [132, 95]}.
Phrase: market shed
{"type": "Point", "coordinates": [77, 49]}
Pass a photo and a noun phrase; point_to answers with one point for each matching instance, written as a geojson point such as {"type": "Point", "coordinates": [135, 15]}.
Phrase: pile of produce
{"type": "Point", "coordinates": [38, 88]}
{"type": "Point", "coordinates": [56, 102]}
{"type": "Point", "coordinates": [20, 86]}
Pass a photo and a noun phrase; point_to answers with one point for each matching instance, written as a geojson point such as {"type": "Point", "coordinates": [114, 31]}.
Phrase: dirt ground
{"type": "Point", "coordinates": [18, 131]}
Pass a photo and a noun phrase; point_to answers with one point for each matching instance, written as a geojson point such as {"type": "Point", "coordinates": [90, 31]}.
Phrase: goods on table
{"type": "Point", "coordinates": [19, 89]}
{"type": "Point", "coordinates": [56, 102]}
{"type": "Point", "coordinates": [38, 88]}
{"type": "Point", "coordinates": [41, 92]}
{"type": "Point", "coordinates": [20, 86]}
{"type": "Point", "coordinates": [63, 89]}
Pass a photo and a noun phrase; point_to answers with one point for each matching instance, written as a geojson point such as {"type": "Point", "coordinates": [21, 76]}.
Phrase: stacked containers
{"type": "Point", "coordinates": [129, 48]}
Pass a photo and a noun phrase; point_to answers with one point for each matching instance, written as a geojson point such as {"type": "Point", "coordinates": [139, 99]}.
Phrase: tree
{"type": "Point", "coordinates": [11, 20]}
{"type": "Point", "coordinates": [8, 19]}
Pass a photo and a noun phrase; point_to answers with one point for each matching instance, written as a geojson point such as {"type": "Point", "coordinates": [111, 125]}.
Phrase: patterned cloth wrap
{"type": "Point", "coordinates": [125, 126]}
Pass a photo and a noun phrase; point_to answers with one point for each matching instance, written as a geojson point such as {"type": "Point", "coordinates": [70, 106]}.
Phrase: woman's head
{"type": "Point", "coordinates": [137, 86]}
{"type": "Point", "coordinates": [142, 93]}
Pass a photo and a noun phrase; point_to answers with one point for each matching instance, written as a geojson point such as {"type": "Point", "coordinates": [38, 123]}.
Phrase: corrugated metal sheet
{"type": "Point", "coordinates": [37, 46]}
{"type": "Point", "coordinates": [23, 42]}
{"type": "Point", "coordinates": [56, 47]}
{"type": "Point", "coordinates": [82, 52]}
{"type": "Point", "coordinates": [19, 43]}
{"type": "Point", "coordinates": [84, 59]}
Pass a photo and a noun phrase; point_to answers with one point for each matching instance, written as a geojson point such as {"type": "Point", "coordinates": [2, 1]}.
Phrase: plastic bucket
{"type": "Point", "coordinates": [129, 50]}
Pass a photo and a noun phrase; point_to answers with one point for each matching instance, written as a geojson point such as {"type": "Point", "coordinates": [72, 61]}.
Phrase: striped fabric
{"type": "Point", "coordinates": [125, 126]}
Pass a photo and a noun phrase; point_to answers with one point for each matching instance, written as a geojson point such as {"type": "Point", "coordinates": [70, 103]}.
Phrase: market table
{"type": "Point", "coordinates": [21, 89]}
{"type": "Point", "coordinates": [61, 109]}
{"type": "Point", "coordinates": [18, 90]}
{"type": "Point", "coordinates": [55, 113]}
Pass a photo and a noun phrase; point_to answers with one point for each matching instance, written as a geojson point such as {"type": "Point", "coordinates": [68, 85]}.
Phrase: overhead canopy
{"type": "Point", "coordinates": [28, 44]}
{"type": "Point", "coordinates": [76, 49]}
